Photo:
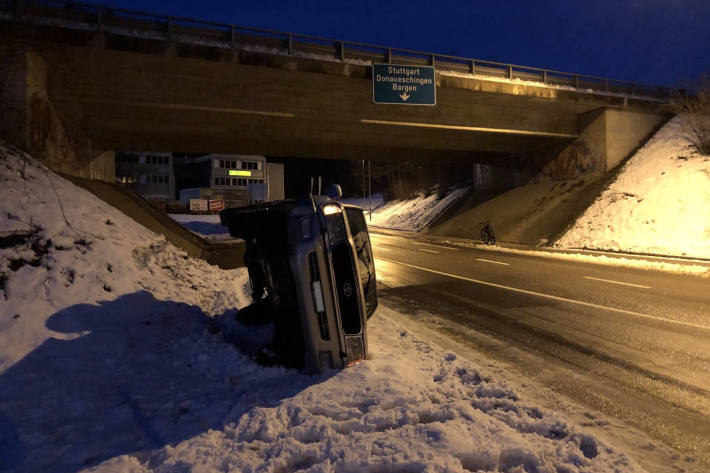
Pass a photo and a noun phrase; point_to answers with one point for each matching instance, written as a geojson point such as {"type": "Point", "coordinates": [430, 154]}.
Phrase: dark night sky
{"type": "Point", "coordinates": [659, 42]}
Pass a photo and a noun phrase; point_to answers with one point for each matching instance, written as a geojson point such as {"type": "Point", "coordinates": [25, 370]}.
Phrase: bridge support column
{"type": "Point", "coordinates": [607, 136]}
{"type": "Point", "coordinates": [32, 122]}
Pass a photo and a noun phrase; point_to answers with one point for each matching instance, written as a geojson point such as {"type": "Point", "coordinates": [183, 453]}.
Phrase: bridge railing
{"type": "Point", "coordinates": [92, 17]}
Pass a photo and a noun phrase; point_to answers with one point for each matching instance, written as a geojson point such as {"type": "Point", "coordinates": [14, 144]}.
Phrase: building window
{"type": "Point", "coordinates": [127, 158]}
{"type": "Point", "coordinates": [158, 179]}
{"type": "Point", "coordinates": [250, 165]}
{"type": "Point", "coordinates": [227, 164]}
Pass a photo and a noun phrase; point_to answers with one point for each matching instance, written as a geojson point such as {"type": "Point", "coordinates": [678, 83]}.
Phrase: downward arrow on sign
{"type": "Point", "coordinates": [404, 96]}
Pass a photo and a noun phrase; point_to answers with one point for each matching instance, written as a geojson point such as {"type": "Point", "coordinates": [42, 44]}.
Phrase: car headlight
{"type": "Point", "coordinates": [331, 209]}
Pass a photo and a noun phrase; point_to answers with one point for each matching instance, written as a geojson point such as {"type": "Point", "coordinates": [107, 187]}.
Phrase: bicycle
{"type": "Point", "coordinates": [487, 235]}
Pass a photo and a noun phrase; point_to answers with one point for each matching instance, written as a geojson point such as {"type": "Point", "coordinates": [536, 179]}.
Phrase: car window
{"type": "Point", "coordinates": [366, 263]}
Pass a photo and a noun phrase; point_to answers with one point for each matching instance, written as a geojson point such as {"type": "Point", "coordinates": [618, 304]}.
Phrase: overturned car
{"type": "Point", "coordinates": [312, 275]}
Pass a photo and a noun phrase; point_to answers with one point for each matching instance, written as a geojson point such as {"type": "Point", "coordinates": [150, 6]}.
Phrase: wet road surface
{"type": "Point", "coordinates": [632, 343]}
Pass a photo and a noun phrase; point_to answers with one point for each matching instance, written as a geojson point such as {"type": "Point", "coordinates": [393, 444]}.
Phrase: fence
{"type": "Point", "coordinates": [89, 17]}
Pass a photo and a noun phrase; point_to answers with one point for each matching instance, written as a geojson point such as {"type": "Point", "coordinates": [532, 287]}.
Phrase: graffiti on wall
{"type": "Point", "coordinates": [576, 159]}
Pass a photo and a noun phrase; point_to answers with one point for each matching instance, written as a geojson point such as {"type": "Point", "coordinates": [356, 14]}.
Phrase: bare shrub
{"type": "Point", "coordinates": [694, 107]}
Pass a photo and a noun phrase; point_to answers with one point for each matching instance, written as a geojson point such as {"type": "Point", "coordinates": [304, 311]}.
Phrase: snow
{"type": "Point", "coordinates": [659, 204]}
{"type": "Point", "coordinates": [120, 353]}
{"type": "Point", "coordinates": [546, 85]}
{"type": "Point", "coordinates": [366, 202]}
{"type": "Point", "coordinates": [207, 226]}
{"type": "Point", "coordinates": [688, 267]}
{"type": "Point", "coordinates": [526, 214]}
{"type": "Point", "coordinates": [409, 214]}
{"type": "Point", "coordinates": [440, 414]}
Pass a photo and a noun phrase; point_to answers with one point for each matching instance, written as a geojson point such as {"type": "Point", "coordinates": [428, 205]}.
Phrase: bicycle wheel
{"type": "Point", "coordinates": [487, 236]}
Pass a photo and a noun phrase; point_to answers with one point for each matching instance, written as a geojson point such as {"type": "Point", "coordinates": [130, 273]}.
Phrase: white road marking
{"type": "Point", "coordinates": [428, 251]}
{"type": "Point", "coordinates": [618, 282]}
{"type": "Point", "coordinates": [491, 261]}
{"type": "Point", "coordinates": [435, 246]}
{"type": "Point", "coordinates": [379, 248]}
{"type": "Point", "coordinates": [550, 296]}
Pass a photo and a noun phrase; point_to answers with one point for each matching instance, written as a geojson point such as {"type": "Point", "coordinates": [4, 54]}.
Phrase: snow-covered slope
{"type": "Point", "coordinates": [208, 227]}
{"type": "Point", "coordinates": [111, 361]}
{"type": "Point", "coordinates": [526, 214]}
{"type": "Point", "coordinates": [411, 215]}
{"type": "Point", "coordinates": [412, 408]}
{"type": "Point", "coordinates": [659, 204]}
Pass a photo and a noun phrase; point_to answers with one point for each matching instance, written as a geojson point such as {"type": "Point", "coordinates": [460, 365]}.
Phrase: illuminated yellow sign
{"type": "Point", "coordinates": [233, 172]}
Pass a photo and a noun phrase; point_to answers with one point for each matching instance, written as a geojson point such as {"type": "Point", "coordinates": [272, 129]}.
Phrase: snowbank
{"type": "Point", "coordinates": [688, 267]}
{"type": "Point", "coordinates": [111, 360]}
{"type": "Point", "coordinates": [659, 204]}
{"type": "Point", "coordinates": [411, 215]}
{"type": "Point", "coordinates": [413, 407]}
{"type": "Point", "coordinates": [207, 226]}
{"type": "Point", "coordinates": [104, 340]}
{"type": "Point", "coordinates": [366, 202]}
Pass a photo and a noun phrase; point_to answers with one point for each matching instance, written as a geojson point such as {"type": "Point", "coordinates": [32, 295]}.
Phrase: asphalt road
{"type": "Point", "coordinates": [632, 343]}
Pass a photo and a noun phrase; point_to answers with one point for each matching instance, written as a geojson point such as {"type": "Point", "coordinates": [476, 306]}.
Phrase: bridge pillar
{"type": "Point", "coordinates": [32, 123]}
{"type": "Point", "coordinates": [607, 136]}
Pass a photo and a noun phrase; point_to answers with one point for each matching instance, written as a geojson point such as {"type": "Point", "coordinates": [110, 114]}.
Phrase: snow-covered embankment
{"type": "Point", "coordinates": [412, 215]}
{"type": "Point", "coordinates": [110, 360]}
{"type": "Point", "coordinates": [659, 204]}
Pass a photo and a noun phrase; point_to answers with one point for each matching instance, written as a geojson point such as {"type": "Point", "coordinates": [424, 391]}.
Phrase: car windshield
{"type": "Point", "coordinates": [366, 264]}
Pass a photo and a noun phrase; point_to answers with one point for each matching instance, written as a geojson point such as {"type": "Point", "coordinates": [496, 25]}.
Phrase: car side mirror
{"type": "Point", "coordinates": [334, 191]}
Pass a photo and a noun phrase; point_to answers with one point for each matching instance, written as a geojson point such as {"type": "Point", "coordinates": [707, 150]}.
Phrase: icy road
{"type": "Point", "coordinates": [634, 344]}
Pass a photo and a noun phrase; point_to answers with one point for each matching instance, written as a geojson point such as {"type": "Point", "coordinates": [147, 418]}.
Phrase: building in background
{"type": "Point", "coordinates": [236, 179]}
{"type": "Point", "coordinates": [149, 174]}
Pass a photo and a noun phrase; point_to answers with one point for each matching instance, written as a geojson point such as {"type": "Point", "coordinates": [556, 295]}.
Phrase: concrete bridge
{"type": "Point", "coordinates": [88, 80]}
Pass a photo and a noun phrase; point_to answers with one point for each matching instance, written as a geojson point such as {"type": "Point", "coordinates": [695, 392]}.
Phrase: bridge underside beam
{"type": "Point", "coordinates": [129, 127]}
{"type": "Point", "coordinates": [140, 101]}
{"type": "Point", "coordinates": [260, 103]}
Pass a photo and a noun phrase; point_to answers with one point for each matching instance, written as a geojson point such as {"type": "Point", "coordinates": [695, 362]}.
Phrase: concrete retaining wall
{"type": "Point", "coordinates": [606, 137]}
{"type": "Point", "coordinates": [32, 122]}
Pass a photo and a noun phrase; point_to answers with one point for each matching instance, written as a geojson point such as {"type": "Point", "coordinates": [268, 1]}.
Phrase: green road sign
{"type": "Point", "coordinates": [408, 85]}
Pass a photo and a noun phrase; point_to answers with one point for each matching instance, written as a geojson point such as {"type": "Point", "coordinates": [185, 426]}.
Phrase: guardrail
{"type": "Point", "coordinates": [92, 17]}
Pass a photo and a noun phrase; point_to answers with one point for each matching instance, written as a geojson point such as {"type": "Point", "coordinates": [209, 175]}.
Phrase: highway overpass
{"type": "Point", "coordinates": [90, 80]}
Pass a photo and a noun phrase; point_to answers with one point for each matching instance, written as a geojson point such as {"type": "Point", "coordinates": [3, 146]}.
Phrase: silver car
{"type": "Point", "coordinates": [312, 274]}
